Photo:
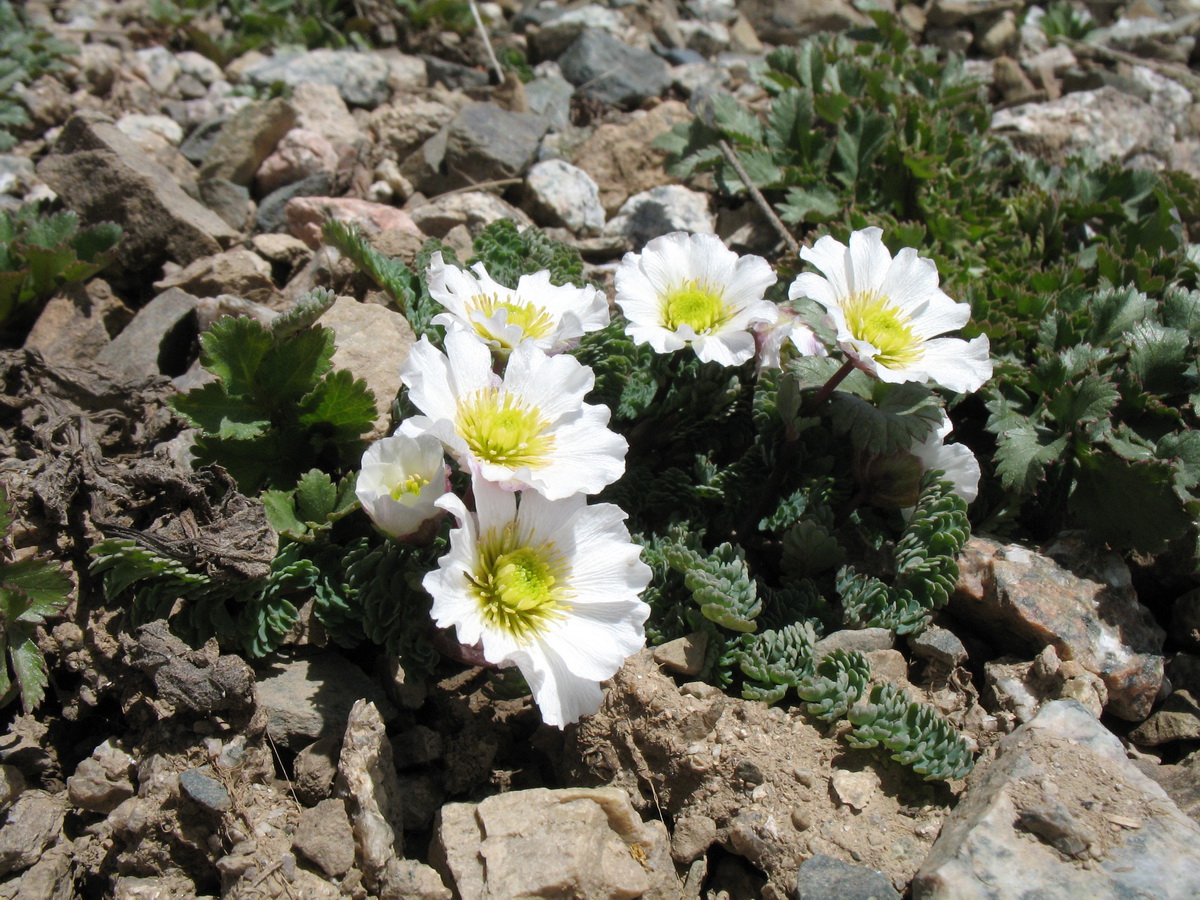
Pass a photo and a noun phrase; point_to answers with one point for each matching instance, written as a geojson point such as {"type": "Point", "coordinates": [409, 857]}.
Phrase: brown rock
{"type": "Point", "coordinates": [324, 837]}
{"type": "Point", "coordinates": [1088, 612]}
{"type": "Point", "coordinates": [684, 656]}
{"type": "Point", "coordinates": [238, 271]}
{"type": "Point", "coordinates": [247, 139]}
{"type": "Point", "coordinates": [1177, 720]}
{"type": "Point", "coordinates": [620, 158]}
{"type": "Point", "coordinates": [158, 339]}
{"type": "Point", "coordinates": [104, 175]}
{"type": "Point", "coordinates": [316, 768]}
{"type": "Point", "coordinates": [33, 823]}
{"type": "Point", "coordinates": [473, 209]}
{"type": "Point", "coordinates": [792, 20]}
{"type": "Point", "coordinates": [299, 154]}
{"type": "Point", "coordinates": [78, 322]}
{"type": "Point", "coordinates": [306, 215]}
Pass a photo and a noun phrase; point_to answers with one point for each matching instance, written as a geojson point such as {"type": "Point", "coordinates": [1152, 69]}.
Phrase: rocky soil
{"type": "Point", "coordinates": [157, 770]}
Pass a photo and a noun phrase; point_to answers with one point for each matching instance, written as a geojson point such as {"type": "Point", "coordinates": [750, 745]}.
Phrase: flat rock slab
{"type": "Point", "coordinates": [1060, 814]}
{"type": "Point", "coordinates": [611, 71]}
{"type": "Point", "coordinates": [105, 176]}
{"type": "Point", "coordinates": [1089, 613]}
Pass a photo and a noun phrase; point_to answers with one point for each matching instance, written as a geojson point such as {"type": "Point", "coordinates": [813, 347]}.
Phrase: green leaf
{"type": "Point", "coordinates": [1159, 358]}
{"type": "Point", "coordinates": [316, 496]}
{"type": "Point", "coordinates": [1023, 452]}
{"type": "Point", "coordinates": [812, 205]}
{"type": "Point", "coordinates": [902, 415]}
{"type": "Point", "coordinates": [280, 507]}
{"type": "Point", "coordinates": [1130, 505]}
{"type": "Point", "coordinates": [293, 367]}
{"type": "Point", "coordinates": [95, 244]}
{"type": "Point", "coordinates": [44, 582]}
{"type": "Point", "coordinates": [737, 122]}
{"type": "Point", "coordinates": [214, 412]}
{"type": "Point", "coordinates": [860, 139]}
{"type": "Point", "coordinates": [234, 350]}
{"type": "Point", "coordinates": [306, 310]}
{"type": "Point", "coordinates": [341, 404]}
{"type": "Point", "coordinates": [1182, 450]}
{"type": "Point", "coordinates": [1089, 400]}
{"type": "Point", "coordinates": [30, 668]}
{"type": "Point", "coordinates": [6, 515]}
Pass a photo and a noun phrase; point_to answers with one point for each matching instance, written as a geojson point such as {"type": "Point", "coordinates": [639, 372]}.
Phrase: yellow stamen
{"type": "Point", "coordinates": [533, 321]}
{"type": "Point", "coordinates": [410, 486]}
{"type": "Point", "coordinates": [500, 429]}
{"type": "Point", "coordinates": [876, 320]}
{"type": "Point", "coordinates": [520, 587]}
{"type": "Point", "coordinates": [699, 306]}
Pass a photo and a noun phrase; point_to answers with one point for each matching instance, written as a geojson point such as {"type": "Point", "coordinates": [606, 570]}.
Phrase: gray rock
{"type": "Point", "coordinates": [864, 640]}
{"type": "Point", "coordinates": [199, 143]}
{"type": "Point", "coordinates": [228, 200]}
{"type": "Point", "coordinates": [104, 175]}
{"type": "Point", "coordinates": [17, 174]}
{"type": "Point", "coordinates": [938, 645]}
{"type": "Point", "coordinates": [601, 66]}
{"type": "Point", "coordinates": [487, 142]}
{"type": "Point", "coordinates": [823, 877]}
{"type": "Point", "coordinates": [272, 210]}
{"type": "Point", "coordinates": [691, 838]}
{"type": "Point", "coordinates": [559, 194]}
{"type": "Point", "coordinates": [159, 66]}
{"type": "Point", "coordinates": [790, 21]}
{"type": "Point", "coordinates": [33, 823]}
{"type": "Point", "coordinates": [706, 38]}
{"type": "Point", "coordinates": [103, 781]}
{"type": "Point", "coordinates": [1108, 122]}
{"type": "Point", "coordinates": [556, 33]}
{"type": "Point", "coordinates": [473, 209]}
{"type": "Point", "coordinates": [201, 681]}
{"type": "Point", "coordinates": [661, 210]}
{"type": "Point", "coordinates": [1087, 610]}
{"type": "Point", "coordinates": [361, 78]}
{"type": "Point", "coordinates": [367, 782]}
{"type": "Point", "coordinates": [543, 843]}
{"type": "Point", "coordinates": [423, 794]}
{"type": "Point", "coordinates": [1137, 842]}
{"type": "Point", "coordinates": [372, 343]}
{"type": "Point", "coordinates": [454, 76]}
{"type": "Point", "coordinates": [158, 339]}
{"type": "Point", "coordinates": [247, 139]}
{"type": "Point", "coordinates": [205, 790]}
{"type": "Point", "coordinates": [315, 769]}
{"type": "Point", "coordinates": [549, 97]}
{"type": "Point", "coordinates": [305, 699]}
{"type": "Point", "coordinates": [324, 837]}
{"type": "Point", "coordinates": [12, 783]}
{"type": "Point", "coordinates": [239, 271]}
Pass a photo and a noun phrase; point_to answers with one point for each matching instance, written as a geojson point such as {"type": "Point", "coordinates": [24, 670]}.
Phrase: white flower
{"type": "Point", "coordinates": [888, 311]}
{"type": "Point", "coordinates": [401, 479]}
{"type": "Point", "coordinates": [956, 460]}
{"type": "Point", "coordinates": [530, 429]}
{"type": "Point", "coordinates": [548, 585]}
{"type": "Point", "coordinates": [690, 289]}
{"type": "Point", "coordinates": [553, 316]}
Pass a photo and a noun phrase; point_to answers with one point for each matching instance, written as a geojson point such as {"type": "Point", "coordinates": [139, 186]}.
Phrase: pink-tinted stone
{"type": "Point", "coordinates": [1084, 606]}
{"type": "Point", "coordinates": [306, 215]}
{"type": "Point", "coordinates": [298, 154]}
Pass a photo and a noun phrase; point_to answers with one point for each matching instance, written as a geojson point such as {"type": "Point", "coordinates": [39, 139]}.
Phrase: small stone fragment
{"type": "Point", "coordinates": [692, 837]}
{"type": "Point", "coordinates": [685, 655]}
{"type": "Point", "coordinates": [823, 878]}
{"type": "Point", "coordinates": [855, 789]}
{"type": "Point", "coordinates": [205, 790]}
{"type": "Point", "coordinates": [324, 837]}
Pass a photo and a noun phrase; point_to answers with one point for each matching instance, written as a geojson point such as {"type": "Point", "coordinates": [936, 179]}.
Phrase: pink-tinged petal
{"type": "Point", "coordinates": [731, 349]}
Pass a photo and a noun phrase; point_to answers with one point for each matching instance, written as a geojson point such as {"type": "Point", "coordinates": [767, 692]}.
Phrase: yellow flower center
{"type": "Point", "coordinates": [533, 321]}
{"type": "Point", "coordinates": [500, 429]}
{"type": "Point", "coordinates": [409, 488]}
{"type": "Point", "coordinates": [695, 305]}
{"type": "Point", "coordinates": [876, 320]}
{"type": "Point", "coordinates": [520, 588]}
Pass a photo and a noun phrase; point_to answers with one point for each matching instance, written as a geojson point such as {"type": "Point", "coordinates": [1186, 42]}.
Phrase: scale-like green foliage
{"type": "Point", "coordinates": [773, 661]}
{"type": "Point", "coordinates": [720, 584]}
{"type": "Point", "coordinates": [31, 591]}
{"type": "Point", "coordinates": [926, 566]}
{"type": "Point", "coordinates": [253, 615]}
{"type": "Point", "coordinates": [41, 251]}
{"type": "Point", "coordinates": [276, 407]}
{"type": "Point", "coordinates": [836, 683]}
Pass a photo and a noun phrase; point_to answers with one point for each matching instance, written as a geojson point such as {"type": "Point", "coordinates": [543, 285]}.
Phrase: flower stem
{"type": "Point", "coordinates": [826, 389]}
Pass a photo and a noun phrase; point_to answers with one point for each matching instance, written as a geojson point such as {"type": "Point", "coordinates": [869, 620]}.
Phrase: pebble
{"type": "Point", "coordinates": [205, 790]}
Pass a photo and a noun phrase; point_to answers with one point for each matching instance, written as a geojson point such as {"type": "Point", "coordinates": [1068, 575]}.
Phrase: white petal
{"type": "Point", "coordinates": [831, 256]}
{"type": "Point", "coordinates": [728, 349]}
{"type": "Point", "coordinates": [955, 364]}
{"type": "Point", "coordinates": [869, 260]}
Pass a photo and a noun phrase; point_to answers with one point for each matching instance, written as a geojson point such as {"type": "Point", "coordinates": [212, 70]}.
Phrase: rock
{"type": "Point", "coordinates": [998, 38]}
{"type": "Point", "coordinates": [1185, 618]}
{"type": "Point", "coordinates": [324, 837]}
{"type": "Point", "coordinates": [199, 143]}
{"type": "Point", "coordinates": [175, 886]}
{"type": "Point", "coordinates": [574, 842]}
{"type": "Point", "coordinates": [854, 789]}
{"type": "Point", "coordinates": [691, 838]}
{"type": "Point", "coordinates": [417, 746]}
{"type": "Point", "coordinates": [157, 341]}
{"type": "Point", "coordinates": [473, 209]}
{"type": "Point", "coordinates": [1026, 600]}
{"type": "Point", "coordinates": [362, 79]}
{"type": "Point", "coordinates": [238, 271]}
{"type": "Point", "coordinates": [401, 128]}
{"type": "Point", "coordinates": [791, 21]}
{"type": "Point", "coordinates": [205, 790]}
{"type": "Point", "coordinates": [228, 200]}
{"type": "Point", "coordinates": [939, 646]}
{"type": "Point", "coordinates": [602, 67]}
{"type": "Point", "coordinates": [12, 783]}
{"type": "Point", "coordinates": [272, 211]}
{"type": "Point", "coordinates": [488, 143]}
{"type": "Point", "coordinates": [1178, 719]}
{"type": "Point", "coordinates": [549, 98]}
{"type": "Point", "coordinates": [315, 769]}
{"type": "Point", "coordinates": [103, 781]}
{"type": "Point", "coordinates": [1110, 123]}
{"type": "Point", "coordinates": [52, 877]}
{"type": "Point", "coordinates": [561, 195]}
{"type": "Point", "coordinates": [684, 656]}
{"type": "Point", "coordinates": [106, 176]}
{"type": "Point", "coordinates": [823, 877]}
{"type": "Point", "coordinates": [17, 174]}
{"type": "Point", "coordinates": [659, 211]}
{"type": "Point", "coordinates": [950, 13]}
{"type": "Point", "coordinates": [1070, 777]}
{"type": "Point", "coordinates": [454, 76]}
{"type": "Point", "coordinates": [305, 699]}
{"type": "Point", "coordinates": [282, 250]}
{"type": "Point", "coordinates": [299, 154]}
{"type": "Point", "coordinates": [367, 782]}
{"type": "Point", "coordinates": [198, 66]}
{"type": "Point", "coordinates": [424, 795]}
{"type": "Point", "coordinates": [77, 323]}
{"type": "Point", "coordinates": [706, 38]}
{"type": "Point", "coordinates": [33, 823]}
{"type": "Point", "coordinates": [203, 681]}
{"type": "Point", "coordinates": [138, 127]}
{"type": "Point", "coordinates": [247, 139]}
{"type": "Point", "coordinates": [372, 343]}
{"type": "Point", "coordinates": [863, 640]}
{"type": "Point", "coordinates": [554, 35]}
{"type": "Point", "coordinates": [158, 66]}
{"type": "Point", "coordinates": [1018, 689]}
{"type": "Point", "coordinates": [306, 215]}
{"type": "Point", "coordinates": [621, 158]}
{"type": "Point", "coordinates": [1181, 784]}
{"type": "Point", "coordinates": [321, 109]}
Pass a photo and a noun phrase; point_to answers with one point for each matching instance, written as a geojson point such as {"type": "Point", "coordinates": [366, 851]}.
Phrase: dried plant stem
{"type": "Point", "coordinates": [487, 42]}
{"type": "Point", "coordinates": [775, 221]}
